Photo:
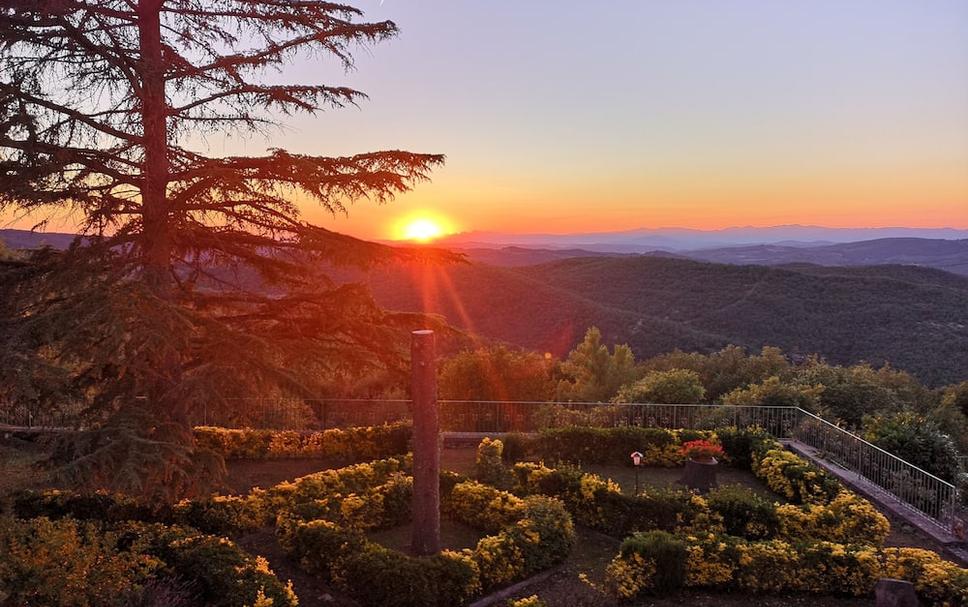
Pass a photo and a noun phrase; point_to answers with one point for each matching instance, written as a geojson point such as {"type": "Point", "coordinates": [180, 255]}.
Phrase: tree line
{"type": "Point", "coordinates": [890, 407]}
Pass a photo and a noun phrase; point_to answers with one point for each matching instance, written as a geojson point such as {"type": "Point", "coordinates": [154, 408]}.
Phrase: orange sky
{"type": "Point", "coordinates": [685, 114]}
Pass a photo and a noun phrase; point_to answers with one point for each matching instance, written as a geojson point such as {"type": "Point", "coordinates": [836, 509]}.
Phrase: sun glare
{"type": "Point", "coordinates": [422, 228]}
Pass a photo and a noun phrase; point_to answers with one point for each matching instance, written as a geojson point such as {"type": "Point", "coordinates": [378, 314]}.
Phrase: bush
{"type": "Point", "coordinates": [379, 576]}
{"type": "Point", "coordinates": [80, 563]}
{"type": "Point", "coordinates": [846, 518]}
{"type": "Point", "coordinates": [516, 447]}
{"type": "Point", "coordinates": [741, 443]}
{"type": "Point", "coordinates": [530, 535]}
{"type": "Point", "coordinates": [68, 563]}
{"type": "Point", "coordinates": [222, 574]}
{"type": "Point", "coordinates": [489, 463]}
{"type": "Point", "coordinates": [915, 439]}
{"type": "Point", "coordinates": [600, 504]}
{"type": "Point", "coordinates": [218, 514]}
{"type": "Point", "coordinates": [666, 551]}
{"type": "Point", "coordinates": [794, 478]}
{"type": "Point", "coordinates": [349, 444]}
{"type": "Point", "coordinates": [651, 563]}
{"type": "Point", "coordinates": [610, 445]}
{"type": "Point", "coordinates": [744, 513]}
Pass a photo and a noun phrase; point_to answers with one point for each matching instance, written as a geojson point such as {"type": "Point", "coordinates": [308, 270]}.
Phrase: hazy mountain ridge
{"type": "Point", "coordinates": [915, 318]}
{"type": "Point", "coordinates": [682, 239]}
{"type": "Point", "coordinates": [947, 255]}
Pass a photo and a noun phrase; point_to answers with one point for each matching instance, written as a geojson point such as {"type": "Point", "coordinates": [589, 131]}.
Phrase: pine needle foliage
{"type": "Point", "coordinates": [195, 280]}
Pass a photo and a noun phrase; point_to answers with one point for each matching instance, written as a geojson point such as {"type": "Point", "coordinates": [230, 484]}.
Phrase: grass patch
{"type": "Point", "coordinates": [666, 478]}
{"type": "Point", "coordinates": [453, 536]}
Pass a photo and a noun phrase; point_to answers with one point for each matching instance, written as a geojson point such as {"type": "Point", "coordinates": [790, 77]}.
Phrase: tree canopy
{"type": "Point", "coordinates": [195, 278]}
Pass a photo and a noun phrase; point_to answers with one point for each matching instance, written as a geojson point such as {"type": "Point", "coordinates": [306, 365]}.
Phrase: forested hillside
{"type": "Point", "coordinates": [914, 318]}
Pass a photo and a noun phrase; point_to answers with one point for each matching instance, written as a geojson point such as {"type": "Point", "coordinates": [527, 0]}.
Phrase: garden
{"type": "Point", "coordinates": [527, 504]}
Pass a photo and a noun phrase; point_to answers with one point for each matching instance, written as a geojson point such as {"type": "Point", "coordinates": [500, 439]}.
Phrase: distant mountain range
{"type": "Point", "coordinates": [845, 301]}
{"type": "Point", "coordinates": [684, 239]}
{"type": "Point", "coordinates": [947, 255]}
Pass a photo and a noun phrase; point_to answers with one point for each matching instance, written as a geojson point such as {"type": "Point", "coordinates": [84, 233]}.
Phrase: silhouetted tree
{"type": "Point", "coordinates": [196, 278]}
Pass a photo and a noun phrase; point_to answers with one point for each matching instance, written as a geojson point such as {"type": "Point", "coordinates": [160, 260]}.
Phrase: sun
{"type": "Point", "coordinates": [422, 228]}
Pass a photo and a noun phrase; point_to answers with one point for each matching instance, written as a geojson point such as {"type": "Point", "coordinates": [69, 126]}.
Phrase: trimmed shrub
{"type": "Point", "coordinates": [794, 478]}
{"type": "Point", "coordinates": [517, 447]}
{"type": "Point", "coordinates": [348, 444]}
{"type": "Point", "coordinates": [489, 463]}
{"type": "Point", "coordinates": [531, 534]}
{"type": "Point", "coordinates": [222, 574]}
{"type": "Point", "coordinates": [600, 504]}
{"type": "Point", "coordinates": [68, 563]}
{"type": "Point", "coordinates": [744, 513]}
{"type": "Point", "coordinates": [79, 563]}
{"type": "Point", "coordinates": [741, 443]}
{"type": "Point", "coordinates": [775, 566]}
{"type": "Point", "coordinates": [659, 447]}
{"type": "Point", "coordinates": [667, 552]}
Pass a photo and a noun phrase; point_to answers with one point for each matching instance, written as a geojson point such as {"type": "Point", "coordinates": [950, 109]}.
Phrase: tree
{"type": "Point", "coordinates": [592, 374]}
{"type": "Point", "coordinates": [849, 393]}
{"type": "Point", "coordinates": [956, 396]}
{"type": "Point", "coordinates": [774, 392]}
{"type": "Point", "coordinates": [726, 370]}
{"type": "Point", "coordinates": [195, 281]}
{"type": "Point", "coordinates": [497, 373]}
{"type": "Point", "coordinates": [915, 439]}
{"type": "Point", "coordinates": [678, 386]}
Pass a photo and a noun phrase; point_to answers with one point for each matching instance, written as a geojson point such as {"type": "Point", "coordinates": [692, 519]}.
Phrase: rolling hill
{"type": "Point", "coordinates": [948, 255]}
{"type": "Point", "coordinates": [915, 318]}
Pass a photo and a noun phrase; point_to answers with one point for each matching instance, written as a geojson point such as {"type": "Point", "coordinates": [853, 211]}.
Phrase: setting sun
{"type": "Point", "coordinates": [422, 228]}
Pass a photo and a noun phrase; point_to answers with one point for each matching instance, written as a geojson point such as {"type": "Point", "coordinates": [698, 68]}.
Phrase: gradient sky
{"type": "Point", "coordinates": [564, 116]}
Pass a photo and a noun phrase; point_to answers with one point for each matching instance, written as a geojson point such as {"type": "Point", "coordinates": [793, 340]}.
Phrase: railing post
{"type": "Point", "coordinates": [425, 539]}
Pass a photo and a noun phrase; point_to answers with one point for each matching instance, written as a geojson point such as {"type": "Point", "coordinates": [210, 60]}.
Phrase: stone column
{"type": "Point", "coordinates": [426, 444]}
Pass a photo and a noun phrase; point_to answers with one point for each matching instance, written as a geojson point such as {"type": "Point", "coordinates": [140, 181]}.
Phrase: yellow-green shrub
{"type": "Point", "coordinates": [778, 566]}
{"type": "Point", "coordinates": [79, 563]}
{"type": "Point", "coordinates": [847, 518]}
{"type": "Point", "coordinates": [68, 563]}
{"type": "Point", "coordinates": [531, 534]}
{"type": "Point", "coordinates": [347, 444]}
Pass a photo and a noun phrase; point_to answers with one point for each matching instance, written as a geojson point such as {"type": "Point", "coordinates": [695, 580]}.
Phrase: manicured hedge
{"type": "Point", "coordinates": [529, 535]}
{"type": "Point", "coordinates": [659, 562]}
{"type": "Point", "coordinates": [821, 508]}
{"type": "Point", "coordinates": [218, 514]}
{"type": "Point", "coordinates": [348, 444]}
{"type": "Point", "coordinates": [86, 563]}
{"type": "Point", "coordinates": [576, 444]}
{"type": "Point", "coordinates": [600, 504]}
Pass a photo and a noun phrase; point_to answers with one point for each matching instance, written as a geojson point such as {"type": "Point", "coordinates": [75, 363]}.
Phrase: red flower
{"type": "Point", "coordinates": [701, 449]}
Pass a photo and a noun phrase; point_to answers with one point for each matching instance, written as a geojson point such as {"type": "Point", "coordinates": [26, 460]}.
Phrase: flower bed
{"type": "Point", "coordinates": [350, 444]}
{"type": "Point", "coordinates": [529, 535]}
{"type": "Point", "coordinates": [658, 562]}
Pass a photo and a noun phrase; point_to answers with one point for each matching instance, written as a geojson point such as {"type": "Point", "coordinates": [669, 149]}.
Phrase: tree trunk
{"type": "Point", "coordinates": [156, 228]}
{"type": "Point", "coordinates": [426, 445]}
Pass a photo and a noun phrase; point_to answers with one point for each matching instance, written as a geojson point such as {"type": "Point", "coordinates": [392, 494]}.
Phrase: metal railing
{"type": "Point", "coordinates": [26, 416]}
{"type": "Point", "coordinates": [917, 489]}
{"type": "Point", "coordinates": [496, 416]}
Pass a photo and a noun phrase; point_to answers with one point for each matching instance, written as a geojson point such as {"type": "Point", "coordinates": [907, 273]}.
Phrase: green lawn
{"type": "Point", "coordinates": [667, 477]}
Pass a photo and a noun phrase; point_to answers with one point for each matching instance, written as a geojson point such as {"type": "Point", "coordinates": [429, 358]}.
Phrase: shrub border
{"type": "Point", "coordinates": [527, 536]}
